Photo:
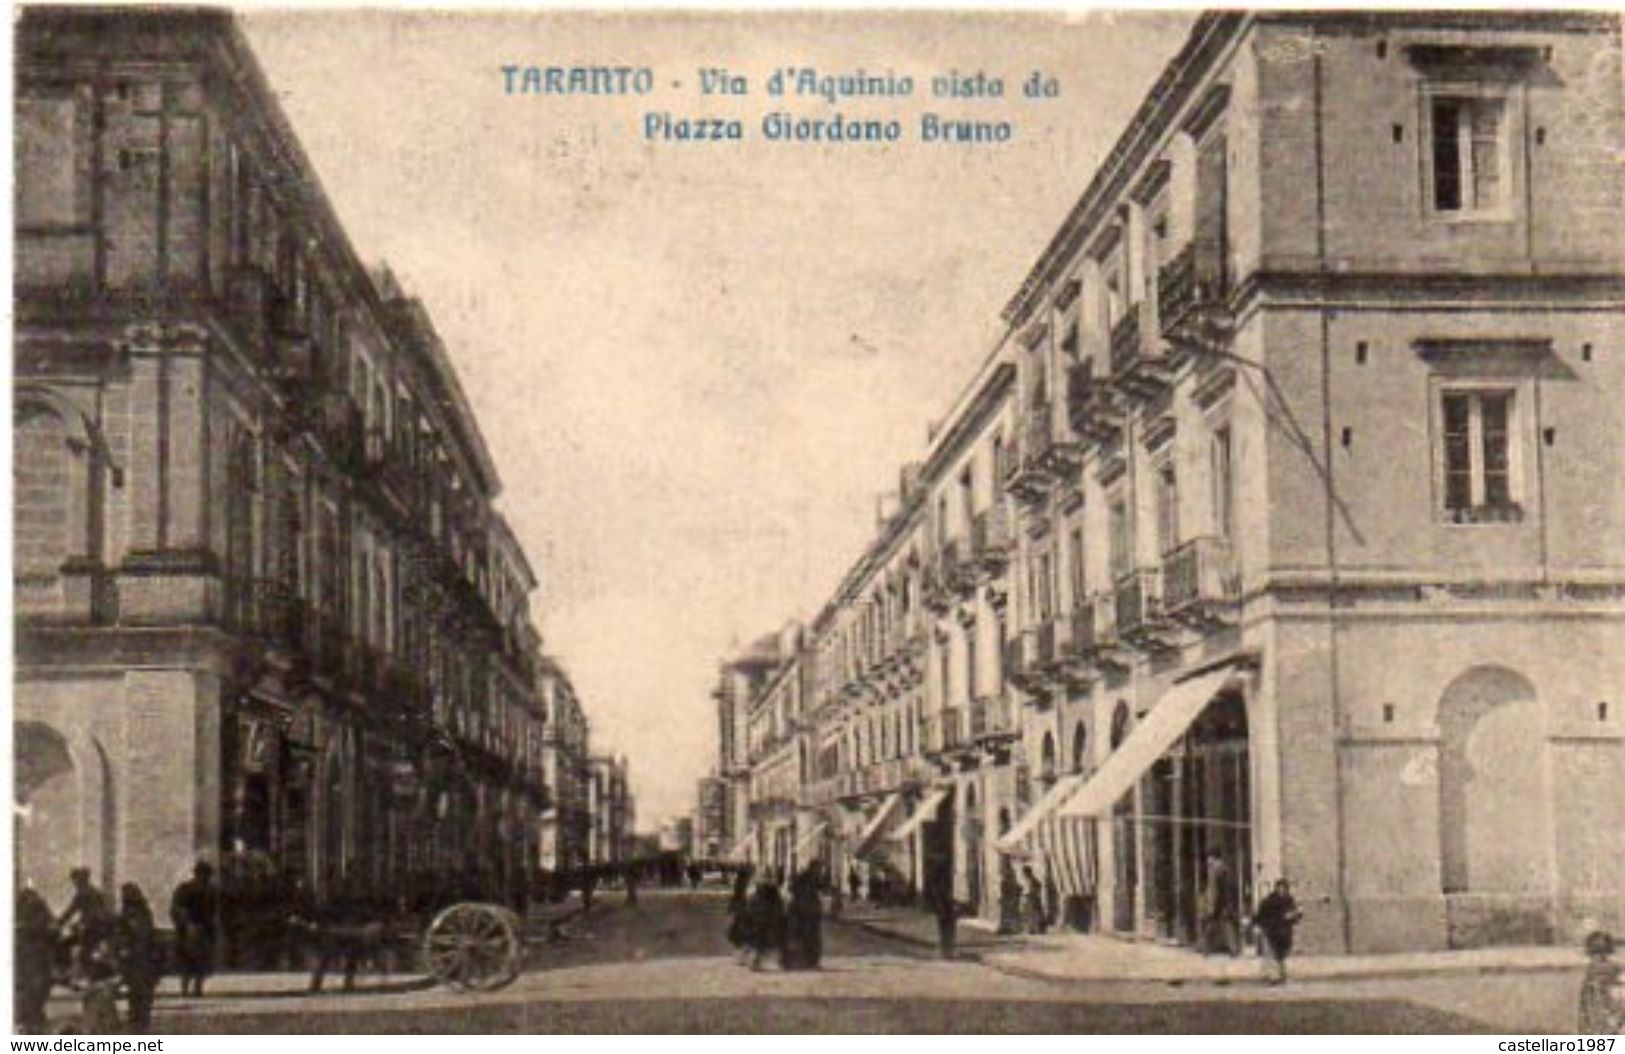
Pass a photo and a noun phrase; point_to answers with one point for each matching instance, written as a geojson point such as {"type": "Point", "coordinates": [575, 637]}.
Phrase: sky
{"type": "Point", "coordinates": [699, 365]}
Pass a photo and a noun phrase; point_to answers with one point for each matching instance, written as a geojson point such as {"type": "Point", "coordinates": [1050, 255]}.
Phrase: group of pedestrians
{"type": "Point", "coordinates": [762, 923]}
{"type": "Point", "coordinates": [102, 953]}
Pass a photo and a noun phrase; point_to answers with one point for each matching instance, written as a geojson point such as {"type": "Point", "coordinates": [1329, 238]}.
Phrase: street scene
{"type": "Point", "coordinates": [535, 521]}
{"type": "Point", "coordinates": [664, 965]}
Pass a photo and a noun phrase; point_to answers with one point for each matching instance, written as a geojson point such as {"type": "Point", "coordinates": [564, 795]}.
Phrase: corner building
{"type": "Point", "coordinates": [266, 612]}
{"type": "Point", "coordinates": [1321, 567]}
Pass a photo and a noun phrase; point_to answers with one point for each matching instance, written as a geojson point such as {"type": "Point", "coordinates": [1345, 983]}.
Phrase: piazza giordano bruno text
{"type": "Point", "coordinates": [837, 128]}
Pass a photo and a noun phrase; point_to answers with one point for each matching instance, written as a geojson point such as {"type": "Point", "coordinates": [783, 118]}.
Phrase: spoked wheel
{"type": "Point", "coordinates": [475, 947]}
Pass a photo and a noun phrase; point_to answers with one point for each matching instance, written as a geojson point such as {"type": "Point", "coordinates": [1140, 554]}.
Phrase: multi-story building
{"type": "Point", "coordinates": [1317, 566]}
{"type": "Point", "coordinates": [738, 683]}
{"type": "Point", "coordinates": [266, 611]}
{"type": "Point", "coordinates": [566, 732]}
{"type": "Point", "coordinates": [710, 818]}
{"type": "Point", "coordinates": [613, 811]}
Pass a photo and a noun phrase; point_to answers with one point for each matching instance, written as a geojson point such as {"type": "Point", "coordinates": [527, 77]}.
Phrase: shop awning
{"type": "Point", "coordinates": [871, 830]}
{"type": "Point", "coordinates": [1013, 839]}
{"type": "Point", "coordinates": [922, 815]}
{"type": "Point", "coordinates": [810, 837]}
{"type": "Point", "coordinates": [1151, 738]}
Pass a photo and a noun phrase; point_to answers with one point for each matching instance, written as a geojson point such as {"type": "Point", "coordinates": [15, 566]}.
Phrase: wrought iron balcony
{"type": "Point", "coordinates": [1022, 666]}
{"type": "Point", "coordinates": [956, 569]}
{"type": "Point", "coordinates": [1140, 618]}
{"type": "Point", "coordinates": [992, 718]}
{"type": "Point", "coordinates": [1192, 297]}
{"type": "Point", "coordinates": [1199, 580]}
{"type": "Point", "coordinates": [1090, 406]}
{"type": "Point", "coordinates": [1138, 367]}
{"type": "Point", "coordinates": [990, 539]}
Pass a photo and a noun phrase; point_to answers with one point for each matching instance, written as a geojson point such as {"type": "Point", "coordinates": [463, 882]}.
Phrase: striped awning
{"type": "Point", "coordinates": [1015, 839]}
{"type": "Point", "coordinates": [871, 830]}
{"type": "Point", "coordinates": [926, 812]}
{"type": "Point", "coordinates": [1068, 847]}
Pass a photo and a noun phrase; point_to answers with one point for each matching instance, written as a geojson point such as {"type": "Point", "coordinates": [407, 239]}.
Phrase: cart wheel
{"type": "Point", "coordinates": [475, 947]}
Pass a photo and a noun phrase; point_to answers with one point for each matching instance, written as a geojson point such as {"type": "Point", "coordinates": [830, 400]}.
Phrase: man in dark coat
{"type": "Point", "coordinates": [739, 914]}
{"type": "Point", "coordinates": [1275, 918]}
{"type": "Point", "coordinates": [87, 921]}
{"type": "Point", "coordinates": [192, 910]}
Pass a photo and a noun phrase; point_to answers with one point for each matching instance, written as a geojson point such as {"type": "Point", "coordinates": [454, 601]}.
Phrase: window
{"type": "Point", "coordinates": [1167, 508]}
{"type": "Point", "coordinates": [1075, 561]}
{"type": "Point", "coordinates": [1122, 537]}
{"type": "Point", "coordinates": [1478, 455]}
{"type": "Point", "coordinates": [967, 498]}
{"type": "Point", "coordinates": [1224, 484]}
{"type": "Point", "coordinates": [1469, 153]}
{"type": "Point", "coordinates": [970, 662]}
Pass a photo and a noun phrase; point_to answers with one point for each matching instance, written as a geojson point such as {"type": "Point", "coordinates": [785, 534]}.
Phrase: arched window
{"type": "Point", "coordinates": [1120, 721]}
{"type": "Point", "coordinates": [1048, 756]}
{"type": "Point", "coordinates": [1080, 746]}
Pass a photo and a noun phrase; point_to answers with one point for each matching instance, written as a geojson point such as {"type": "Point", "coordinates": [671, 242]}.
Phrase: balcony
{"type": "Point", "coordinates": [264, 609]}
{"type": "Point", "coordinates": [1200, 584]}
{"type": "Point", "coordinates": [992, 718]}
{"type": "Point", "coordinates": [1140, 619]}
{"type": "Point", "coordinates": [956, 570]}
{"type": "Point", "coordinates": [1138, 367]}
{"type": "Point", "coordinates": [935, 590]}
{"type": "Point", "coordinates": [1090, 407]}
{"type": "Point", "coordinates": [990, 540]}
{"type": "Point", "coordinates": [335, 420]}
{"type": "Point", "coordinates": [1192, 300]}
{"type": "Point", "coordinates": [1021, 666]}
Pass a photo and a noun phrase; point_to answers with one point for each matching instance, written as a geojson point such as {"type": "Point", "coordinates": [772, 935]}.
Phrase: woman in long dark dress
{"type": "Point", "coordinates": [804, 938]}
{"type": "Point", "coordinates": [739, 914]}
{"type": "Point", "coordinates": [767, 921]}
{"type": "Point", "coordinates": [1276, 917]}
{"type": "Point", "coordinates": [33, 960]}
{"type": "Point", "coordinates": [137, 954]}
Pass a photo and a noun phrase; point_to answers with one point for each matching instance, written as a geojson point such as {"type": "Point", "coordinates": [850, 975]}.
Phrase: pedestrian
{"type": "Point", "coordinates": [804, 937]}
{"type": "Point", "coordinates": [854, 883]}
{"type": "Point", "coordinates": [192, 910]}
{"type": "Point", "coordinates": [87, 920]}
{"type": "Point", "coordinates": [632, 885]}
{"type": "Point", "coordinates": [1601, 1014]}
{"type": "Point", "coordinates": [1052, 898]}
{"type": "Point", "coordinates": [589, 882]}
{"type": "Point", "coordinates": [1275, 918]}
{"type": "Point", "coordinates": [1033, 901]}
{"type": "Point", "coordinates": [139, 960]}
{"type": "Point", "coordinates": [739, 914]}
{"type": "Point", "coordinates": [342, 936]}
{"type": "Point", "coordinates": [939, 898]}
{"type": "Point", "coordinates": [1009, 898]}
{"type": "Point", "coordinates": [767, 920]}
{"type": "Point", "coordinates": [33, 961]}
{"type": "Point", "coordinates": [1218, 903]}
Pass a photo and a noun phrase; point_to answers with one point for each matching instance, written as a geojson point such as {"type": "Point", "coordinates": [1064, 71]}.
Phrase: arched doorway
{"type": "Point", "coordinates": [1495, 829]}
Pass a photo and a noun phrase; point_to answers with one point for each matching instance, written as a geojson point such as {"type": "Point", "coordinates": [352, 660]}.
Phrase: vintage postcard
{"type": "Point", "coordinates": [659, 521]}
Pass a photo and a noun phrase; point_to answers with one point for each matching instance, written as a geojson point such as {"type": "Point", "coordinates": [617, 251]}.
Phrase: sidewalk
{"type": "Point", "coordinates": [1094, 958]}
{"type": "Point", "coordinates": [973, 939]}
{"type": "Point", "coordinates": [1091, 958]}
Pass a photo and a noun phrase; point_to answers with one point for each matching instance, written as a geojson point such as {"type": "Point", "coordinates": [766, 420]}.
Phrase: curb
{"type": "Point", "coordinates": [1395, 974]}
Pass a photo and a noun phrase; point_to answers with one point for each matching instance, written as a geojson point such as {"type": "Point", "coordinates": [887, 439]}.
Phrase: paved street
{"type": "Point", "coordinates": [663, 966]}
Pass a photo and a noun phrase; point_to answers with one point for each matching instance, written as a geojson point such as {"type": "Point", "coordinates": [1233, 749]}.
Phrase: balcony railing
{"type": "Point", "coordinates": [1090, 405]}
{"type": "Point", "coordinates": [1190, 288]}
{"type": "Point", "coordinates": [1199, 578]}
{"type": "Point", "coordinates": [264, 608]}
{"type": "Point", "coordinates": [992, 717]}
{"type": "Point", "coordinates": [956, 569]}
{"type": "Point", "coordinates": [1139, 368]}
{"type": "Point", "coordinates": [990, 538]}
{"type": "Point", "coordinates": [1139, 606]}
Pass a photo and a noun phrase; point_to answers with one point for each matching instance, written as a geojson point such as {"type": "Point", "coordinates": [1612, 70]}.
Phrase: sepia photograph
{"type": "Point", "coordinates": [531, 520]}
